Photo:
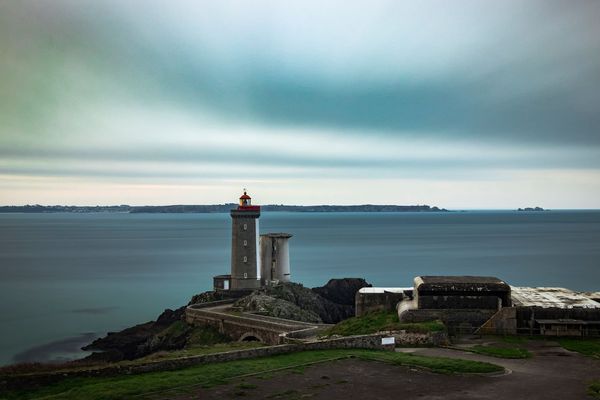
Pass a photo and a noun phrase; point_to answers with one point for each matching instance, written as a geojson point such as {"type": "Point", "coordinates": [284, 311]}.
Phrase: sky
{"type": "Point", "coordinates": [463, 104]}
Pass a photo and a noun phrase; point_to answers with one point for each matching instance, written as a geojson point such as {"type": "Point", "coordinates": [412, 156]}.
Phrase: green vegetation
{"type": "Point", "coordinates": [501, 351]}
{"type": "Point", "coordinates": [513, 339]}
{"type": "Point", "coordinates": [594, 389]}
{"type": "Point", "coordinates": [435, 364]}
{"type": "Point", "coordinates": [208, 375]}
{"type": "Point", "coordinates": [589, 347]}
{"type": "Point", "coordinates": [246, 386]}
{"type": "Point", "coordinates": [204, 335]}
{"type": "Point", "coordinates": [381, 321]}
{"type": "Point", "coordinates": [196, 351]}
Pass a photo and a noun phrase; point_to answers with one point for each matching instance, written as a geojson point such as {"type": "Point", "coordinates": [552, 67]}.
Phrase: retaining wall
{"type": "Point", "coordinates": [457, 321]}
{"type": "Point", "coordinates": [267, 329]}
{"type": "Point", "coordinates": [39, 379]}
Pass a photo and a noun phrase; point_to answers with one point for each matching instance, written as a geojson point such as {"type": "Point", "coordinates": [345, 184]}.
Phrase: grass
{"type": "Point", "coordinates": [246, 386]}
{"type": "Point", "coordinates": [589, 347]}
{"type": "Point", "coordinates": [202, 340]}
{"type": "Point", "coordinates": [381, 321]}
{"type": "Point", "coordinates": [513, 339]}
{"type": "Point", "coordinates": [501, 351]}
{"type": "Point", "coordinates": [594, 389]}
{"type": "Point", "coordinates": [197, 351]}
{"type": "Point", "coordinates": [207, 375]}
{"type": "Point", "coordinates": [205, 335]}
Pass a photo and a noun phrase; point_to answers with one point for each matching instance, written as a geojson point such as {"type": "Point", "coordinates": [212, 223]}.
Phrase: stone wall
{"type": "Point", "coordinates": [459, 302]}
{"type": "Point", "coordinates": [504, 322]}
{"type": "Point", "coordinates": [526, 314]}
{"type": "Point", "coordinates": [266, 329]}
{"type": "Point", "coordinates": [521, 320]}
{"type": "Point", "coordinates": [304, 333]}
{"type": "Point", "coordinates": [369, 302]}
{"type": "Point", "coordinates": [39, 379]}
{"type": "Point", "coordinates": [404, 338]}
{"type": "Point", "coordinates": [457, 321]}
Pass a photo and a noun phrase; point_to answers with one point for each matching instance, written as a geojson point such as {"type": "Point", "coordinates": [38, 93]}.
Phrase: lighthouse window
{"type": "Point", "coordinates": [245, 227]}
{"type": "Point", "coordinates": [245, 259]}
{"type": "Point", "coordinates": [245, 243]}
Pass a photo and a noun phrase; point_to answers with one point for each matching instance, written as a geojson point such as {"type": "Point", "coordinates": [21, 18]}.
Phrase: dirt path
{"type": "Point", "coordinates": [551, 374]}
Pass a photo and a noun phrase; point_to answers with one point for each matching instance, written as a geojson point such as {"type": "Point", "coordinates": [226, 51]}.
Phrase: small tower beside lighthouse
{"type": "Point", "coordinates": [245, 260]}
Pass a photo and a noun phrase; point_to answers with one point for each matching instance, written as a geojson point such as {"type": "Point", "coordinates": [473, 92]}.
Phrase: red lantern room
{"type": "Point", "coordinates": [246, 202]}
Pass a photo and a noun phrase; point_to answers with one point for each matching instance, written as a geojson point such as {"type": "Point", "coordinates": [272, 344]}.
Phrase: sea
{"type": "Point", "coordinates": [67, 278]}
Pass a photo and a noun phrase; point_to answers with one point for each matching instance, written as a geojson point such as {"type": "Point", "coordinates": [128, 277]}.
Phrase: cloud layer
{"type": "Point", "coordinates": [283, 95]}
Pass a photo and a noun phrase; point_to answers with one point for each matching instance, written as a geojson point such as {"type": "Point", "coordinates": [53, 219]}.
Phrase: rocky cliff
{"type": "Point", "coordinates": [329, 304]}
{"type": "Point", "coordinates": [133, 342]}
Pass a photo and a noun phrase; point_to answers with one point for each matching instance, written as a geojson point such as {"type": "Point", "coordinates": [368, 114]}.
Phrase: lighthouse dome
{"type": "Point", "coordinates": [245, 200]}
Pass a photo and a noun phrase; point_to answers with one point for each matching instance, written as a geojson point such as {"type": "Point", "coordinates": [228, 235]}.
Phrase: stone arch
{"type": "Point", "coordinates": [250, 337]}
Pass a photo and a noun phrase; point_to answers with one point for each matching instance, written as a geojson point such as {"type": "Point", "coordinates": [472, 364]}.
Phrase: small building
{"type": "Point", "coordinates": [370, 299]}
{"type": "Point", "coordinates": [463, 303]}
{"type": "Point", "coordinates": [461, 292]}
{"type": "Point", "coordinates": [548, 311]}
{"type": "Point", "coordinates": [221, 282]}
{"type": "Point", "coordinates": [568, 327]}
{"type": "Point", "coordinates": [488, 305]}
{"type": "Point", "coordinates": [274, 258]}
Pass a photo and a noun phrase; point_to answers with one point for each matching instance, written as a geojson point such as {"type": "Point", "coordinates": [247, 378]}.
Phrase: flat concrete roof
{"type": "Point", "coordinates": [278, 235]}
{"type": "Point", "coordinates": [550, 297]}
{"type": "Point", "coordinates": [460, 279]}
{"type": "Point", "coordinates": [384, 289]}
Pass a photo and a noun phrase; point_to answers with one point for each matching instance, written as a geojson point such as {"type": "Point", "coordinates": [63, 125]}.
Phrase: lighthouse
{"type": "Point", "coordinates": [245, 260]}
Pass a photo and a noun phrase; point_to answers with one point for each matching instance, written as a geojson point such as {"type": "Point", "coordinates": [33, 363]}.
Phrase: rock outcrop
{"type": "Point", "coordinates": [168, 332]}
{"type": "Point", "coordinates": [341, 291]}
{"type": "Point", "coordinates": [329, 304]}
{"type": "Point", "coordinates": [294, 301]}
{"type": "Point", "coordinates": [131, 342]}
{"type": "Point", "coordinates": [264, 304]}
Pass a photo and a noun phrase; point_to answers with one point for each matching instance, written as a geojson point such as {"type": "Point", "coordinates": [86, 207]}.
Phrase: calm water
{"type": "Point", "coordinates": [67, 278]}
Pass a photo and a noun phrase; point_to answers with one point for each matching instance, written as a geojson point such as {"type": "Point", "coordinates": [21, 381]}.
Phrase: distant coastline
{"type": "Point", "coordinates": [214, 208]}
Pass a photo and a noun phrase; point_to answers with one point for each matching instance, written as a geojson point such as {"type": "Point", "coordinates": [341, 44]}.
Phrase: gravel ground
{"type": "Point", "coordinates": [552, 373]}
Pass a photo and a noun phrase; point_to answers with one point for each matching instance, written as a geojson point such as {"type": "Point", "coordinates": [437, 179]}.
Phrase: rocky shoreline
{"type": "Point", "coordinates": [330, 303]}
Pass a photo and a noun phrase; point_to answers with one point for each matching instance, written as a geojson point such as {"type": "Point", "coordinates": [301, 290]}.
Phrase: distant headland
{"type": "Point", "coordinates": [214, 208]}
{"type": "Point", "coordinates": [531, 209]}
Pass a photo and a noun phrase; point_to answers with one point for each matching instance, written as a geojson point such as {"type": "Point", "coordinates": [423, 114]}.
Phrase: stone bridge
{"type": "Point", "coordinates": [246, 326]}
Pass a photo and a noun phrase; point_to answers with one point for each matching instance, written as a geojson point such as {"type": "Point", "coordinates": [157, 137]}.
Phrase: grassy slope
{"type": "Point", "coordinates": [594, 389]}
{"type": "Point", "coordinates": [505, 347]}
{"type": "Point", "coordinates": [201, 340]}
{"type": "Point", "coordinates": [501, 352]}
{"type": "Point", "coordinates": [213, 374]}
{"type": "Point", "coordinates": [196, 351]}
{"type": "Point", "coordinates": [380, 321]}
{"type": "Point", "coordinates": [588, 347]}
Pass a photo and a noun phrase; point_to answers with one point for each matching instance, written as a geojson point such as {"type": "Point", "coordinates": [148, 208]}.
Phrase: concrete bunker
{"type": "Point", "coordinates": [461, 292]}
{"type": "Point", "coordinates": [479, 304]}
